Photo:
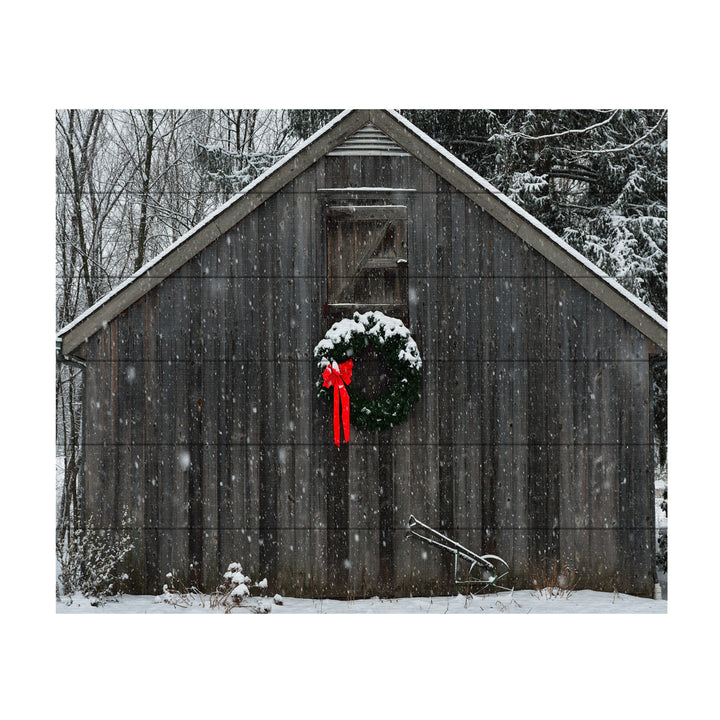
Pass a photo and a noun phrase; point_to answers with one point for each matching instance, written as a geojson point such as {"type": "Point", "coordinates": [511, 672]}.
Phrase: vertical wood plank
{"type": "Point", "coordinates": [170, 374]}
{"type": "Point", "coordinates": [265, 394]}
{"type": "Point", "coordinates": [386, 511]}
{"type": "Point", "coordinates": [445, 351]}
{"type": "Point", "coordinates": [558, 294]}
{"type": "Point", "coordinates": [94, 419]}
{"type": "Point", "coordinates": [284, 352]}
{"type": "Point", "coordinates": [151, 439]}
{"type": "Point", "coordinates": [488, 354]}
{"type": "Point", "coordinates": [304, 207]}
{"type": "Point", "coordinates": [337, 521]}
{"type": "Point", "coordinates": [506, 523]}
{"type": "Point", "coordinates": [208, 405]}
{"type": "Point", "coordinates": [324, 177]}
{"type": "Point", "coordinates": [554, 403]}
{"type": "Point", "coordinates": [580, 376]}
{"type": "Point", "coordinates": [227, 320]}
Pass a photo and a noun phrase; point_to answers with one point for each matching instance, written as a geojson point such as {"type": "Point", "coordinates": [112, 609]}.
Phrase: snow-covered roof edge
{"type": "Point", "coordinates": [529, 218]}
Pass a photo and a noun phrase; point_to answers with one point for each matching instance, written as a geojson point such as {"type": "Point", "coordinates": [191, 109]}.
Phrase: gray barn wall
{"type": "Point", "coordinates": [532, 434]}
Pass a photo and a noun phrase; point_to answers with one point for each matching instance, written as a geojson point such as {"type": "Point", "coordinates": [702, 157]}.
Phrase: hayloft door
{"type": "Point", "coordinates": [367, 258]}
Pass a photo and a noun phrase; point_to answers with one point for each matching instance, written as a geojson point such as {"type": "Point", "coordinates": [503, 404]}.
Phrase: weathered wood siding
{"type": "Point", "coordinates": [532, 434]}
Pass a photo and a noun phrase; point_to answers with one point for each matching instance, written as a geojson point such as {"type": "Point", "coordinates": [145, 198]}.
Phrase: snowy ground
{"type": "Point", "coordinates": [560, 656]}
{"type": "Point", "coordinates": [518, 602]}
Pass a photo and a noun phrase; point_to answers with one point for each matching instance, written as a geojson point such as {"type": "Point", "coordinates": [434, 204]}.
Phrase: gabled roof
{"type": "Point", "coordinates": [332, 137]}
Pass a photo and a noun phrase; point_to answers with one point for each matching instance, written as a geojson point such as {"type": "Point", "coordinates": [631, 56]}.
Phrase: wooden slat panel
{"type": "Point", "coordinates": [168, 375]}
{"type": "Point", "coordinates": [507, 528]}
{"type": "Point", "coordinates": [305, 208]}
{"type": "Point", "coordinates": [238, 527]}
{"type": "Point", "coordinates": [530, 318]}
{"type": "Point", "coordinates": [131, 416]}
{"type": "Point", "coordinates": [487, 353]}
{"type": "Point", "coordinates": [363, 517]}
{"type": "Point", "coordinates": [285, 341]}
{"type": "Point", "coordinates": [415, 569]}
{"type": "Point", "coordinates": [225, 409]}
{"type": "Point", "coordinates": [265, 395]}
{"type": "Point", "coordinates": [597, 368]}
{"type": "Point", "coordinates": [371, 169]}
{"type": "Point", "coordinates": [153, 452]}
{"type": "Point", "coordinates": [386, 491]}
{"type": "Point", "coordinates": [558, 295]}
{"type": "Point", "coordinates": [555, 402]}
{"type": "Point", "coordinates": [185, 490]}
{"type": "Point", "coordinates": [95, 418]}
{"type": "Point", "coordinates": [337, 498]}
{"type": "Point", "coordinates": [636, 490]}
{"type": "Point", "coordinates": [429, 464]}
{"type": "Point", "coordinates": [319, 415]}
{"type": "Point", "coordinates": [108, 515]}
{"type": "Point", "coordinates": [208, 412]}
{"type": "Point", "coordinates": [526, 332]}
{"type": "Point", "coordinates": [580, 501]}
{"type": "Point", "coordinates": [445, 351]}
{"type": "Point", "coordinates": [608, 400]}
{"type": "Point", "coordinates": [124, 478]}
{"type": "Point", "coordinates": [251, 382]}
{"type": "Point", "coordinates": [192, 397]}
{"type": "Point", "coordinates": [456, 366]}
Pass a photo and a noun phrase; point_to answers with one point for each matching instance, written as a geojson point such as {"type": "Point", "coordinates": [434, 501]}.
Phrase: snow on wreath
{"type": "Point", "coordinates": [345, 341]}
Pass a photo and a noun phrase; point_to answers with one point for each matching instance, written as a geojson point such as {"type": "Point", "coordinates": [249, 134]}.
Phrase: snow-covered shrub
{"type": "Point", "coordinates": [234, 588]}
{"type": "Point", "coordinates": [90, 563]}
{"type": "Point", "coordinates": [177, 593]}
{"type": "Point", "coordinates": [233, 592]}
{"type": "Point", "coordinates": [556, 580]}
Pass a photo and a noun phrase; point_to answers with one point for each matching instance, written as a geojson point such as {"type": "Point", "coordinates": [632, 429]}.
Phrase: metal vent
{"type": "Point", "coordinates": [368, 141]}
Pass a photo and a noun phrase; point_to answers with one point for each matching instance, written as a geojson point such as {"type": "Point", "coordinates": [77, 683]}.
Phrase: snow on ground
{"type": "Point", "coordinates": [517, 602]}
{"type": "Point", "coordinates": [563, 656]}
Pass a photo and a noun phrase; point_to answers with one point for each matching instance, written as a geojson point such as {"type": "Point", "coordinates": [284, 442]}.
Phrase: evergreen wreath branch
{"type": "Point", "coordinates": [348, 338]}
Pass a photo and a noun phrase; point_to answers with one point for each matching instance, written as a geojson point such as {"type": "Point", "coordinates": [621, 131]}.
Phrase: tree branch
{"type": "Point", "coordinates": [565, 132]}
{"type": "Point", "coordinates": [610, 151]}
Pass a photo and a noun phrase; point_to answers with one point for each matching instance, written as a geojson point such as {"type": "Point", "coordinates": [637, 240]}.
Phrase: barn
{"type": "Point", "coordinates": [526, 432]}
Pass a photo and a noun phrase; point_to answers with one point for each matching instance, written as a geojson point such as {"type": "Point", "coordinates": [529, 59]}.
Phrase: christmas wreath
{"type": "Point", "coordinates": [347, 339]}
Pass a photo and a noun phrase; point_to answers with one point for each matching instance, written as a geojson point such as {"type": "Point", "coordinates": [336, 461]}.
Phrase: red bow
{"type": "Point", "coordinates": [338, 376]}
